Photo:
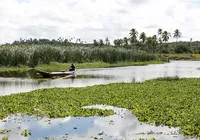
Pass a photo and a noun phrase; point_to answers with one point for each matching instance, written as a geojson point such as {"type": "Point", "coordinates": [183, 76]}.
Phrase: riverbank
{"type": "Point", "coordinates": [55, 66]}
{"type": "Point", "coordinates": [192, 57]}
{"type": "Point", "coordinates": [166, 101]}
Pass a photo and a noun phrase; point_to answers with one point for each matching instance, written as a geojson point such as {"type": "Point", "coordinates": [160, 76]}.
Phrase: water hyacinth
{"type": "Point", "coordinates": [171, 102]}
{"type": "Point", "coordinates": [26, 133]}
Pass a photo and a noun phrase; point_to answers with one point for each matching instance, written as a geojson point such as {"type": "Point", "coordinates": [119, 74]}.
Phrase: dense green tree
{"type": "Point", "coordinates": [101, 43]}
{"type": "Point", "coordinates": [118, 42]}
{"type": "Point", "coordinates": [152, 43]}
{"type": "Point", "coordinates": [143, 37]}
{"type": "Point", "coordinates": [182, 49]}
{"type": "Point", "coordinates": [95, 42]}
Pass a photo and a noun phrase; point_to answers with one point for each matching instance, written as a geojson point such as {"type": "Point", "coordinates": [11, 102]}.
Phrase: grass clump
{"type": "Point", "coordinates": [4, 131]}
{"type": "Point", "coordinates": [172, 102]}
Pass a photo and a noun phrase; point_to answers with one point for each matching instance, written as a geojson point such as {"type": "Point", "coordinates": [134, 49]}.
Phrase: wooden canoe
{"type": "Point", "coordinates": [51, 74]}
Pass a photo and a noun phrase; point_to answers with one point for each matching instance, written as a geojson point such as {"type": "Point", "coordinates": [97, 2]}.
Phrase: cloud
{"type": "Point", "coordinates": [138, 1]}
{"type": "Point", "coordinates": [153, 26]}
{"type": "Point", "coordinates": [94, 19]}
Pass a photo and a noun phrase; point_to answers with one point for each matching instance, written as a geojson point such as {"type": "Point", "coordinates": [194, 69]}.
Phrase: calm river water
{"type": "Point", "coordinates": [121, 126]}
{"type": "Point", "coordinates": [89, 77]}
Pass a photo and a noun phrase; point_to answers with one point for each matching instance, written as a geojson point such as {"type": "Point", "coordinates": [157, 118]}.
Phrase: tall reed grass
{"type": "Point", "coordinates": [34, 55]}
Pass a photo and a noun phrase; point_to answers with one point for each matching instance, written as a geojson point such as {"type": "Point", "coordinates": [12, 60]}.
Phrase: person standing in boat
{"type": "Point", "coordinates": [72, 67]}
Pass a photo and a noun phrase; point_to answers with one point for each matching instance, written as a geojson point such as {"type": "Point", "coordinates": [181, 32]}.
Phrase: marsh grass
{"type": "Point", "coordinates": [33, 55]}
{"type": "Point", "coordinates": [17, 72]}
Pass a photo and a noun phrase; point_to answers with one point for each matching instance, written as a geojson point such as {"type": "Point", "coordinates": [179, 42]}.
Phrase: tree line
{"type": "Point", "coordinates": [157, 43]}
{"type": "Point", "coordinates": [162, 36]}
{"type": "Point", "coordinates": [44, 41]}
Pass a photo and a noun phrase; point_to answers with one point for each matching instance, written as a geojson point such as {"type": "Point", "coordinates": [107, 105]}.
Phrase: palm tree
{"type": "Point", "coordinates": [143, 37]}
{"type": "Point", "coordinates": [177, 34]}
{"type": "Point", "coordinates": [125, 41]}
{"type": "Point", "coordinates": [133, 34]}
{"type": "Point", "coordinates": [107, 41]}
{"type": "Point", "coordinates": [159, 32]}
{"type": "Point", "coordinates": [165, 36]}
{"type": "Point", "coordinates": [160, 37]}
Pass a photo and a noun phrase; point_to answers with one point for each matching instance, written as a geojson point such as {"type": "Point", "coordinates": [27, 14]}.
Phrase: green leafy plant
{"type": "Point", "coordinates": [5, 138]}
{"type": "Point", "coordinates": [173, 102]}
{"type": "Point", "coordinates": [26, 133]}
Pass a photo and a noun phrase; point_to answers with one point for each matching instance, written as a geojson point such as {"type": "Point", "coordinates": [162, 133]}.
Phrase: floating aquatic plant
{"type": "Point", "coordinates": [171, 102]}
{"type": "Point", "coordinates": [26, 133]}
{"type": "Point", "coordinates": [5, 138]}
{"type": "Point", "coordinates": [4, 131]}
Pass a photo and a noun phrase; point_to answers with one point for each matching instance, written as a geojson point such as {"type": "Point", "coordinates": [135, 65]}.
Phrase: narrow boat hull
{"type": "Point", "coordinates": [51, 74]}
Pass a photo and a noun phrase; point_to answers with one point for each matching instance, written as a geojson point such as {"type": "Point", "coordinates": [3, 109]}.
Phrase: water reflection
{"type": "Point", "coordinates": [31, 73]}
{"type": "Point", "coordinates": [122, 125]}
{"type": "Point", "coordinates": [89, 77]}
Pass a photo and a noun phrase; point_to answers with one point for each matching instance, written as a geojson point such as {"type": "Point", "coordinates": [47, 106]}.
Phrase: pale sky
{"type": "Point", "coordinates": [95, 19]}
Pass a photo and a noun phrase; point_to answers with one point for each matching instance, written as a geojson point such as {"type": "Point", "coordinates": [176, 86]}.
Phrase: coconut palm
{"type": "Point", "coordinates": [107, 41]}
{"type": "Point", "coordinates": [143, 37]}
{"type": "Point", "coordinates": [133, 34]}
{"type": "Point", "coordinates": [165, 36]}
{"type": "Point", "coordinates": [159, 32]}
{"type": "Point", "coordinates": [160, 37]}
{"type": "Point", "coordinates": [126, 41]}
{"type": "Point", "coordinates": [177, 34]}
